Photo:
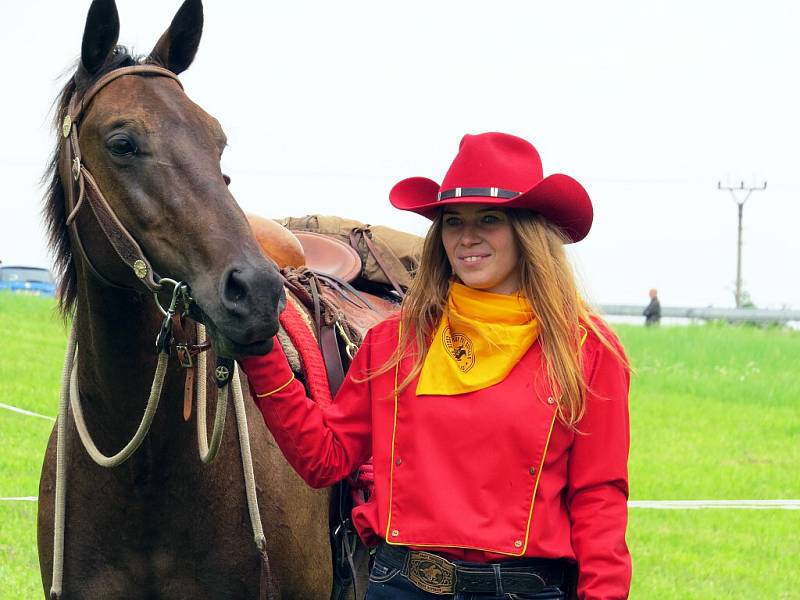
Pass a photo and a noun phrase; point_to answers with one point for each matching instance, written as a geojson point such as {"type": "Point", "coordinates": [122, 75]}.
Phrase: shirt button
{"type": "Point", "coordinates": [532, 470]}
{"type": "Point", "coordinates": [518, 544]}
{"type": "Point", "coordinates": [395, 533]}
{"type": "Point", "coordinates": [398, 462]}
{"type": "Point", "coordinates": [550, 400]}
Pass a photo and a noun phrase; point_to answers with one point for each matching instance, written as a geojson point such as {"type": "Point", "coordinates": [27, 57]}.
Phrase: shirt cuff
{"type": "Point", "coordinates": [269, 373]}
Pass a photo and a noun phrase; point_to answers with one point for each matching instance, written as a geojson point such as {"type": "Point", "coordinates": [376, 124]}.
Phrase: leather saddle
{"type": "Point", "coordinates": [329, 256]}
{"type": "Point", "coordinates": [320, 253]}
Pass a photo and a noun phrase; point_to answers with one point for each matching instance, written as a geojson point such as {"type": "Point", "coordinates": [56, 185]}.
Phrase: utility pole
{"type": "Point", "coordinates": [740, 205]}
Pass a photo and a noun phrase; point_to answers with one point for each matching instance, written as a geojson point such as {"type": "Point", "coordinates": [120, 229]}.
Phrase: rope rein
{"type": "Point", "coordinates": [209, 452]}
{"type": "Point", "coordinates": [70, 397]}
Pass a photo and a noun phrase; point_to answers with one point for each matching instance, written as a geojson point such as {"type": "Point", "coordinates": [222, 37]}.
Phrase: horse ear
{"type": "Point", "coordinates": [176, 48]}
{"type": "Point", "coordinates": [100, 35]}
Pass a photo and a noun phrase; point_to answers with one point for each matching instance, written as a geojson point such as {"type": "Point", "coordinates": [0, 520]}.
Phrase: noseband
{"type": "Point", "coordinates": [120, 238]}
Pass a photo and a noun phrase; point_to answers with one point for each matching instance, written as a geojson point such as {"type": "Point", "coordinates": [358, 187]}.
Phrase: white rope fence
{"type": "Point", "coordinates": [27, 413]}
{"type": "Point", "coordinates": [654, 504]}
{"type": "Point", "coordinates": [729, 504]}
{"type": "Point", "coordinates": [647, 504]}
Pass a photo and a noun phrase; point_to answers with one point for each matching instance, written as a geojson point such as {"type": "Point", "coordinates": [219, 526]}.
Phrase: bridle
{"type": "Point", "coordinates": [124, 244]}
{"type": "Point", "coordinates": [171, 330]}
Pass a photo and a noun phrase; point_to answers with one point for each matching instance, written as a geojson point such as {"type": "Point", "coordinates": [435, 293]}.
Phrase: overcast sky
{"type": "Point", "coordinates": [327, 104]}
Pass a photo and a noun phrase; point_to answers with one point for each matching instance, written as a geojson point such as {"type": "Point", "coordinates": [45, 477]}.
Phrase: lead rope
{"type": "Point", "coordinates": [69, 396]}
{"type": "Point", "coordinates": [209, 453]}
{"type": "Point", "coordinates": [61, 471]}
{"type": "Point", "coordinates": [267, 590]}
{"type": "Point", "coordinates": [144, 427]}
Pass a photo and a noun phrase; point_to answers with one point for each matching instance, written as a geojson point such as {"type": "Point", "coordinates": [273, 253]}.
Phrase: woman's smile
{"type": "Point", "coordinates": [474, 258]}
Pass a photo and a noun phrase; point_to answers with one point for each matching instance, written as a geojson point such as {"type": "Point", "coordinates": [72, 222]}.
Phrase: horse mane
{"type": "Point", "coordinates": [55, 210]}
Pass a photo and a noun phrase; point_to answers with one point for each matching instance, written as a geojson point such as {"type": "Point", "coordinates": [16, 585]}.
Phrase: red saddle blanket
{"type": "Point", "coordinates": [303, 338]}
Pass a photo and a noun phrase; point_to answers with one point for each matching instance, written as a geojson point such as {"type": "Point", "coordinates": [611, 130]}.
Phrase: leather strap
{"type": "Point", "coordinates": [186, 353]}
{"type": "Point", "coordinates": [188, 394]}
{"type": "Point", "coordinates": [329, 345]}
{"type": "Point", "coordinates": [121, 240]}
{"type": "Point", "coordinates": [86, 99]}
{"type": "Point", "coordinates": [123, 243]}
{"type": "Point", "coordinates": [366, 235]}
{"type": "Point", "coordinates": [346, 291]}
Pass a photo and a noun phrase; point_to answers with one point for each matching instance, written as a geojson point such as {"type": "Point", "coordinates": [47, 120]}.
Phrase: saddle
{"type": "Point", "coordinates": [337, 267]}
{"type": "Point", "coordinates": [327, 255]}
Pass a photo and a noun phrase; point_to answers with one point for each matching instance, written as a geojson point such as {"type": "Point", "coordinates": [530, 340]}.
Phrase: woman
{"type": "Point", "coordinates": [495, 407]}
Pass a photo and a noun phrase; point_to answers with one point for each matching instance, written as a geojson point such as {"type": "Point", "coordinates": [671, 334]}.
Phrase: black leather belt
{"type": "Point", "coordinates": [437, 575]}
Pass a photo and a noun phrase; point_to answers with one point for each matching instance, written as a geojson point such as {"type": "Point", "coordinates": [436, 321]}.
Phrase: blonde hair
{"type": "Point", "coordinates": [546, 279]}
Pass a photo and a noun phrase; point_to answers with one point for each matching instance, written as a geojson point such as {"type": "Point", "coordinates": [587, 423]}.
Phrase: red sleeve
{"type": "Point", "coordinates": [323, 446]}
{"type": "Point", "coordinates": [597, 490]}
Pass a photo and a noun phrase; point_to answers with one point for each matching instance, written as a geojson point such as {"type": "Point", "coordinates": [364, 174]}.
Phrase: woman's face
{"type": "Point", "coordinates": [481, 247]}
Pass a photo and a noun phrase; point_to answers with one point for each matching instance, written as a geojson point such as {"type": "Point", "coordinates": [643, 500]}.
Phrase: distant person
{"type": "Point", "coordinates": [652, 314]}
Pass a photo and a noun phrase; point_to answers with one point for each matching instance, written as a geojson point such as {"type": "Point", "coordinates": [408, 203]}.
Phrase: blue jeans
{"type": "Point", "coordinates": [386, 583]}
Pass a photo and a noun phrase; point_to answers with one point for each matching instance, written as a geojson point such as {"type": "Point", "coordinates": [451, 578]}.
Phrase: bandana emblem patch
{"type": "Point", "coordinates": [460, 349]}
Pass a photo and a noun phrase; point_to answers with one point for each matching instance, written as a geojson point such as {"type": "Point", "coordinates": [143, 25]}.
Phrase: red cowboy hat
{"type": "Point", "coordinates": [502, 169]}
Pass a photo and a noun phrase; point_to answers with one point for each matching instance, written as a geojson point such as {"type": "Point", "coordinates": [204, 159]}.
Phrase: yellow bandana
{"type": "Point", "coordinates": [480, 338]}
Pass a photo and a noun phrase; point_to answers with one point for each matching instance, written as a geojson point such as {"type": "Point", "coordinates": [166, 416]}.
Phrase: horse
{"type": "Point", "coordinates": [162, 525]}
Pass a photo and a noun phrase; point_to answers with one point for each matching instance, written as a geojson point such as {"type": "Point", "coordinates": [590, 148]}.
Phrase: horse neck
{"type": "Point", "coordinates": [116, 332]}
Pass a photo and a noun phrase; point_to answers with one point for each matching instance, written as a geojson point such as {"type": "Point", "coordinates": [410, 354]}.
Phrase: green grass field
{"type": "Point", "coordinates": [715, 414]}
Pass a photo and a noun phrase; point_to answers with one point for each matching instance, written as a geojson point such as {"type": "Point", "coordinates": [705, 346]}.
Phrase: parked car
{"type": "Point", "coordinates": [35, 281]}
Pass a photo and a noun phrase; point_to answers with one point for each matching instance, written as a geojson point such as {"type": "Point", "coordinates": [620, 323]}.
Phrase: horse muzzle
{"type": "Point", "coordinates": [242, 314]}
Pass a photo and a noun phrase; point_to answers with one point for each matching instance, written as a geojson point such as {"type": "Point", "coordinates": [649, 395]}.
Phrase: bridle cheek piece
{"type": "Point", "coordinates": [124, 244]}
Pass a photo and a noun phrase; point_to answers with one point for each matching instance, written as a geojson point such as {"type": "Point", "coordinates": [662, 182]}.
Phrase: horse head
{"type": "Point", "coordinates": [155, 156]}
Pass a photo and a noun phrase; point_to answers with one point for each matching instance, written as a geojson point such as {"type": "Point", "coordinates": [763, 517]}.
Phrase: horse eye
{"type": "Point", "coordinates": [121, 145]}
{"type": "Point", "coordinates": [226, 178]}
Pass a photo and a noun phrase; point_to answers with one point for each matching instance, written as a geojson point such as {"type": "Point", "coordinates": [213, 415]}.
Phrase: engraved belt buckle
{"type": "Point", "coordinates": [431, 573]}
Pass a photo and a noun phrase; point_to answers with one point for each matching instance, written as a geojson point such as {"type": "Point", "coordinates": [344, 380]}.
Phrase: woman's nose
{"type": "Point", "coordinates": [469, 235]}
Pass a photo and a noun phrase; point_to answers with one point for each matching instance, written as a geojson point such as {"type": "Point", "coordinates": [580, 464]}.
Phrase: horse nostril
{"type": "Point", "coordinates": [234, 288]}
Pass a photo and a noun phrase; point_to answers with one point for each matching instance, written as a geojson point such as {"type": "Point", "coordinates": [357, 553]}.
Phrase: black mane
{"type": "Point", "coordinates": [54, 211]}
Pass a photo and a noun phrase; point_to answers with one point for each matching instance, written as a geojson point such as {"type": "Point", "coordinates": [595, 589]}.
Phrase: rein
{"type": "Point", "coordinates": [70, 397]}
{"type": "Point", "coordinates": [226, 372]}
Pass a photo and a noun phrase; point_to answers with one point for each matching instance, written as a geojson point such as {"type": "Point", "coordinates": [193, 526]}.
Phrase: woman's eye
{"type": "Point", "coordinates": [452, 221]}
{"type": "Point", "coordinates": [121, 145]}
{"type": "Point", "coordinates": [491, 219]}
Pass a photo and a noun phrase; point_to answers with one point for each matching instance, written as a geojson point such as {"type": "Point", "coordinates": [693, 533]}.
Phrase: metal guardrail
{"type": "Point", "coordinates": [734, 315]}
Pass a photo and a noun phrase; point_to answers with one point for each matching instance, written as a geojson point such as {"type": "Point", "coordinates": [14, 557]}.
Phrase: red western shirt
{"type": "Point", "coordinates": [481, 476]}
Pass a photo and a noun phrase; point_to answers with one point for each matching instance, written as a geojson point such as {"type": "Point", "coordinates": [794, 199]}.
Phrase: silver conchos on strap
{"type": "Point", "coordinates": [140, 268]}
{"type": "Point", "coordinates": [66, 126]}
{"type": "Point", "coordinates": [222, 373]}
